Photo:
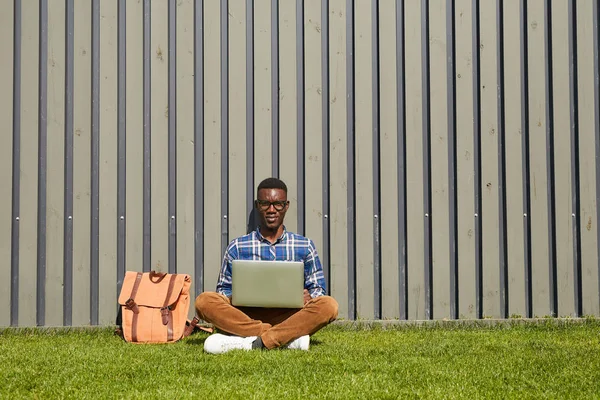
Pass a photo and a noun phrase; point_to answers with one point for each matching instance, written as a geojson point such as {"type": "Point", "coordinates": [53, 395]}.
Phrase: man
{"type": "Point", "coordinates": [268, 328]}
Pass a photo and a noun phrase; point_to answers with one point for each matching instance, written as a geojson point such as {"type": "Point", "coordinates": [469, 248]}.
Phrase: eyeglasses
{"type": "Point", "coordinates": [264, 205]}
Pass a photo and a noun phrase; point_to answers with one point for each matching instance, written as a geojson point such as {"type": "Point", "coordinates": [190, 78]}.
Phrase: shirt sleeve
{"type": "Point", "coordinates": [314, 279]}
{"type": "Point", "coordinates": [224, 282]}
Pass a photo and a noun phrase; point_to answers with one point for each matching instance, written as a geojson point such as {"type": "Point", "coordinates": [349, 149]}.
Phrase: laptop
{"type": "Point", "coordinates": [268, 284]}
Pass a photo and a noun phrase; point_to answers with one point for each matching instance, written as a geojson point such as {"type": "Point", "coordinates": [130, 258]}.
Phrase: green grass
{"type": "Point", "coordinates": [547, 360]}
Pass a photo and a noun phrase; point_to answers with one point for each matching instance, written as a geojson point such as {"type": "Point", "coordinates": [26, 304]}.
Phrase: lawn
{"type": "Point", "coordinates": [550, 360]}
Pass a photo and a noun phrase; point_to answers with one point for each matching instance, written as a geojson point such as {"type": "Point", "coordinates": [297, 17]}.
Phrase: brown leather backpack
{"type": "Point", "coordinates": [154, 307]}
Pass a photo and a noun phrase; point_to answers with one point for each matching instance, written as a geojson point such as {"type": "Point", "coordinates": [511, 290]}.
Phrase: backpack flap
{"type": "Point", "coordinates": [154, 288]}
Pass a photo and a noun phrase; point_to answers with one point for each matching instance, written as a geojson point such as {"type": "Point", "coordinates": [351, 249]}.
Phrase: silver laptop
{"type": "Point", "coordinates": [269, 284]}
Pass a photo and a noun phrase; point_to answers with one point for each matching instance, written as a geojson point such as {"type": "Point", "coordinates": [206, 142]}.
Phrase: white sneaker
{"type": "Point", "coordinates": [218, 343]}
{"type": "Point", "coordinates": [302, 343]}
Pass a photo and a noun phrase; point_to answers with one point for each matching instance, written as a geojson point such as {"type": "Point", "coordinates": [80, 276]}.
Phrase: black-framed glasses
{"type": "Point", "coordinates": [264, 205]}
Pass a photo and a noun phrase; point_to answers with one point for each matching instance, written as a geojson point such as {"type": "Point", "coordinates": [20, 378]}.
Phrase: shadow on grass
{"type": "Point", "coordinates": [199, 341]}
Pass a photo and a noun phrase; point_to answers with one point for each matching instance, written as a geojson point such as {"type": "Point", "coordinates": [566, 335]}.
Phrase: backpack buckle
{"type": "Point", "coordinates": [165, 313]}
{"type": "Point", "coordinates": [131, 305]}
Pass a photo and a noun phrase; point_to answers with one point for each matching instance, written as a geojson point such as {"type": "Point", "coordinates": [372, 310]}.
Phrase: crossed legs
{"type": "Point", "coordinates": [275, 326]}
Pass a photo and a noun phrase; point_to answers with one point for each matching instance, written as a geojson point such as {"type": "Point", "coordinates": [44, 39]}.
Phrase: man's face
{"type": "Point", "coordinates": [272, 205]}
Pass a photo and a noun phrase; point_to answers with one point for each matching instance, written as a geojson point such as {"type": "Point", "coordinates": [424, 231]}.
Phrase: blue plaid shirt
{"type": "Point", "coordinates": [289, 247]}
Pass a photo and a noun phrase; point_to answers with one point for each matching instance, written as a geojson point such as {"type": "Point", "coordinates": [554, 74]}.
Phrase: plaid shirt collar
{"type": "Point", "coordinates": [281, 238]}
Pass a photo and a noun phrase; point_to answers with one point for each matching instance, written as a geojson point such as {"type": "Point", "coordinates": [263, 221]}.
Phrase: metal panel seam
{"type": "Point", "coordinates": [16, 167]}
{"type": "Point", "coordinates": [42, 163]}
{"type": "Point", "coordinates": [172, 135]}
{"type": "Point", "coordinates": [426, 88]}
{"type": "Point", "coordinates": [199, 146]}
{"type": "Point", "coordinates": [300, 115]}
{"type": "Point", "coordinates": [351, 177]}
{"type": "Point", "coordinates": [575, 176]}
{"type": "Point", "coordinates": [376, 163]}
{"type": "Point", "coordinates": [401, 162]}
{"type": "Point", "coordinates": [503, 246]}
{"type": "Point", "coordinates": [95, 163]}
{"type": "Point", "coordinates": [477, 157]}
{"type": "Point", "coordinates": [326, 138]}
{"type": "Point", "coordinates": [550, 159]}
{"type": "Point", "coordinates": [452, 164]}
{"type": "Point", "coordinates": [68, 170]}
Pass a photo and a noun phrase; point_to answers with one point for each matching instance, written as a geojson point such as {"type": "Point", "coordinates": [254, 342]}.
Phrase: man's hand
{"type": "Point", "coordinates": [306, 296]}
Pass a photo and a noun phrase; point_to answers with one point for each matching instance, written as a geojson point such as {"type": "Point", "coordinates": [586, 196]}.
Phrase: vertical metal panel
{"type": "Point", "coordinates": [489, 166]}
{"type": "Point", "coordinates": [213, 253]}
{"type": "Point", "coordinates": [452, 175]}
{"type": "Point", "coordinates": [224, 53]}
{"type": "Point", "coordinates": [401, 160]}
{"type": "Point", "coordinates": [477, 156]}
{"type": "Point", "coordinates": [8, 145]}
{"type": "Point", "coordinates": [350, 151]}
{"type": "Point", "coordinates": [596, 10]}
{"type": "Point", "coordinates": [338, 126]}
{"type": "Point", "coordinates": [389, 159]}
{"type": "Point", "coordinates": [363, 162]}
{"type": "Point", "coordinates": [376, 121]}
{"type": "Point", "coordinates": [275, 88]}
{"type": "Point", "coordinates": [81, 186]}
{"type": "Point", "coordinates": [95, 160]}
{"type": "Point", "coordinates": [426, 118]}
{"type": "Point", "coordinates": [300, 104]}
{"type": "Point", "coordinates": [514, 162]}
{"type": "Point", "coordinates": [68, 171]}
{"type": "Point", "coordinates": [561, 113]}
{"type": "Point", "coordinates": [414, 162]}
{"type": "Point", "coordinates": [122, 140]}
{"type": "Point", "coordinates": [502, 245]}
{"type": "Point", "coordinates": [288, 110]}
{"type": "Point", "coordinates": [238, 151]}
{"type": "Point", "coordinates": [135, 225]}
{"type": "Point", "coordinates": [439, 161]}
{"type": "Point", "coordinates": [525, 156]}
{"type": "Point", "coordinates": [250, 111]}
{"type": "Point", "coordinates": [465, 157]}
{"type": "Point", "coordinates": [55, 167]}
{"type": "Point", "coordinates": [313, 116]}
{"type": "Point", "coordinates": [29, 117]}
{"type": "Point", "coordinates": [16, 158]}
{"type": "Point", "coordinates": [159, 136]}
{"type": "Point", "coordinates": [199, 119]}
{"type": "Point", "coordinates": [263, 135]}
{"type": "Point", "coordinates": [574, 130]}
{"type": "Point", "coordinates": [325, 76]}
{"type": "Point", "coordinates": [540, 261]}
{"type": "Point", "coordinates": [172, 135]}
{"type": "Point", "coordinates": [110, 78]}
{"type": "Point", "coordinates": [147, 196]}
{"type": "Point", "coordinates": [185, 142]}
{"type": "Point", "coordinates": [590, 299]}
{"type": "Point", "coordinates": [551, 187]}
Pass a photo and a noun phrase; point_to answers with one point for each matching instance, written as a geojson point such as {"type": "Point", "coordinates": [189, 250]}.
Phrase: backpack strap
{"type": "Point", "coordinates": [165, 311]}
{"type": "Point", "coordinates": [131, 305]}
{"type": "Point", "coordinates": [193, 324]}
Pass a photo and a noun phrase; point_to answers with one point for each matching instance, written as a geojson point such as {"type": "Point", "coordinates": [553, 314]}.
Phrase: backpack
{"type": "Point", "coordinates": [154, 307]}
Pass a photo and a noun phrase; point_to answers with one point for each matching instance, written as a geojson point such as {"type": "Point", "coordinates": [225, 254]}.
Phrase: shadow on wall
{"type": "Point", "coordinates": [253, 220]}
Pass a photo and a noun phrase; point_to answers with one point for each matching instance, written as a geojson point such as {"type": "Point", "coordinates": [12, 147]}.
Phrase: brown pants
{"type": "Point", "coordinates": [275, 326]}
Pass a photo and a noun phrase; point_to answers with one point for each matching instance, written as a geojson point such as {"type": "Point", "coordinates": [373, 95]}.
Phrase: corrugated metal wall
{"type": "Point", "coordinates": [443, 155]}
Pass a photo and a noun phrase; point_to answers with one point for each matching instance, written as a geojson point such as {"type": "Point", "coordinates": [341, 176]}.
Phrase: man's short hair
{"type": "Point", "coordinates": [272, 183]}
